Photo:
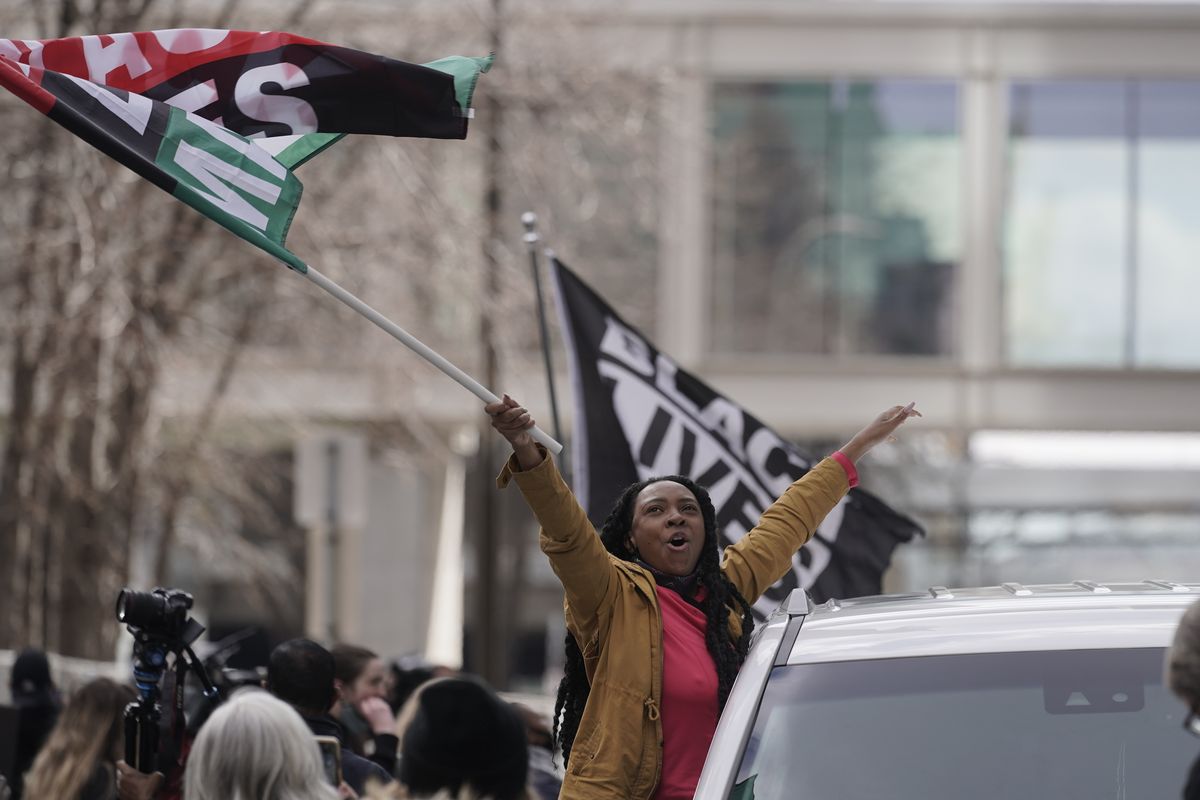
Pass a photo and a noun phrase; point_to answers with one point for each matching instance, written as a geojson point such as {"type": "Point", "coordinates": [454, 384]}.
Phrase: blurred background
{"type": "Point", "coordinates": [822, 207]}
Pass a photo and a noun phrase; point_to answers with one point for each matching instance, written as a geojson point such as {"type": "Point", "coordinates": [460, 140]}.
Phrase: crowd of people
{"type": "Point", "coordinates": [658, 622]}
{"type": "Point", "coordinates": [325, 725]}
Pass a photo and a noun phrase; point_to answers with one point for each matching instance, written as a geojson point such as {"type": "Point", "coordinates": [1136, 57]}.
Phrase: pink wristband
{"type": "Point", "coordinates": [848, 465]}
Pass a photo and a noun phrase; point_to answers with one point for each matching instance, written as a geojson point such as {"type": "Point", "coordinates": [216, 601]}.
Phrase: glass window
{"type": "Point", "coordinates": [1101, 234]}
{"type": "Point", "coordinates": [1066, 242]}
{"type": "Point", "coordinates": [1086, 723]}
{"type": "Point", "coordinates": [836, 216]}
{"type": "Point", "coordinates": [1167, 326]}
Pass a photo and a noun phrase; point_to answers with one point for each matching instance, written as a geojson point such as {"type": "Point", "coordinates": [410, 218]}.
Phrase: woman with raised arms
{"type": "Point", "coordinates": [659, 619]}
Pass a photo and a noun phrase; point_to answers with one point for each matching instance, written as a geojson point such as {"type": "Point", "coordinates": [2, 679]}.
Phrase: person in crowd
{"type": "Point", "coordinates": [256, 747]}
{"type": "Point", "coordinates": [78, 761]}
{"type": "Point", "coordinates": [363, 684]}
{"type": "Point", "coordinates": [459, 740]}
{"type": "Point", "coordinates": [1183, 677]}
{"type": "Point", "coordinates": [301, 673]}
{"type": "Point", "coordinates": [406, 676]}
{"type": "Point", "coordinates": [37, 702]}
{"type": "Point", "coordinates": [544, 779]}
{"type": "Point", "coordinates": [658, 623]}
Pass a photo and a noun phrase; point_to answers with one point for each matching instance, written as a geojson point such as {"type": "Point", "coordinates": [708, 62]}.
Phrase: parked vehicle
{"type": "Point", "coordinates": [989, 694]}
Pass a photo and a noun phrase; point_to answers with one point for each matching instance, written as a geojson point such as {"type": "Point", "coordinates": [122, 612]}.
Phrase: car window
{"type": "Point", "coordinates": [1083, 723]}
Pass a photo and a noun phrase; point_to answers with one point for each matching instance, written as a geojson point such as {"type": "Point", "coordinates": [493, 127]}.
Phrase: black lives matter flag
{"type": "Point", "coordinates": [219, 118]}
{"type": "Point", "coordinates": [638, 415]}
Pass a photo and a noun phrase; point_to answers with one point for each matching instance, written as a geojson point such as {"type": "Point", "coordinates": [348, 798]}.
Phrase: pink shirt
{"type": "Point", "coordinates": [689, 690]}
{"type": "Point", "coordinates": [689, 697]}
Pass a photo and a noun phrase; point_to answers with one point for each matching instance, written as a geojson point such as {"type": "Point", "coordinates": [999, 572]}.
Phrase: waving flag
{"type": "Point", "coordinates": [219, 118]}
{"type": "Point", "coordinates": [639, 415]}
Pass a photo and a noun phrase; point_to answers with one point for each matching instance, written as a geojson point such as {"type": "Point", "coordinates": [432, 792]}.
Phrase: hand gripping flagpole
{"type": "Point", "coordinates": [421, 349]}
{"type": "Point", "coordinates": [529, 220]}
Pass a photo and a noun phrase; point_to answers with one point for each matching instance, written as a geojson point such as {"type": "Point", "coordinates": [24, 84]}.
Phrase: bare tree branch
{"type": "Point", "coordinates": [226, 14]}
{"type": "Point", "coordinates": [68, 13]}
{"type": "Point", "coordinates": [298, 13]}
{"type": "Point", "coordinates": [180, 486]}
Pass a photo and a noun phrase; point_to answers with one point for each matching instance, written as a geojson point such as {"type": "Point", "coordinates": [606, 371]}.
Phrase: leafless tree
{"type": "Point", "coordinates": [104, 281]}
{"type": "Point", "coordinates": [109, 291]}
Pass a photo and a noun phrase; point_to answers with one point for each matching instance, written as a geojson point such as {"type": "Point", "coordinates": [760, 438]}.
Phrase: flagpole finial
{"type": "Point", "coordinates": [529, 220]}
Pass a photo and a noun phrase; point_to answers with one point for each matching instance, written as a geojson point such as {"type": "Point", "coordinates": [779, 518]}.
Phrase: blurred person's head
{"type": "Point", "coordinates": [29, 680]}
{"type": "Point", "coordinates": [301, 673]}
{"type": "Point", "coordinates": [360, 673]}
{"type": "Point", "coordinates": [87, 736]}
{"type": "Point", "coordinates": [1183, 659]}
{"type": "Point", "coordinates": [457, 736]}
{"type": "Point", "coordinates": [255, 747]}
{"type": "Point", "coordinates": [405, 681]}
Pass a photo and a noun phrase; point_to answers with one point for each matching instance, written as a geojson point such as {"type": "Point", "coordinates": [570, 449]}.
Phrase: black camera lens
{"type": "Point", "coordinates": [140, 609]}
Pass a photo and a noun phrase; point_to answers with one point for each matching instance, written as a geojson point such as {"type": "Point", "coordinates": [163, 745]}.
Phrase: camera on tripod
{"type": "Point", "coordinates": [161, 625]}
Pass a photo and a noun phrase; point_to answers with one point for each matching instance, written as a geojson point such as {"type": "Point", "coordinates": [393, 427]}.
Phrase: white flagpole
{"type": "Point", "coordinates": [462, 378]}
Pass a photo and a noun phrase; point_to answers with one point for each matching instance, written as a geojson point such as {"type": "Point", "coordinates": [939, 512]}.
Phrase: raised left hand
{"type": "Point", "coordinates": [878, 430]}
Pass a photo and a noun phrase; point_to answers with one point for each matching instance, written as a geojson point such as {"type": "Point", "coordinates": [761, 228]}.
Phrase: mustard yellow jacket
{"type": "Point", "coordinates": [612, 611]}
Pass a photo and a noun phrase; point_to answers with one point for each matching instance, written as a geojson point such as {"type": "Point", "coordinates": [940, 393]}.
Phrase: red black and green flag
{"type": "Point", "coordinates": [220, 118]}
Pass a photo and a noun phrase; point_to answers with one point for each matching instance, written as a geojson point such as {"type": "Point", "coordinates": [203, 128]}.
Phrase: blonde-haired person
{"type": "Point", "coordinates": [256, 747]}
{"type": "Point", "coordinates": [78, 761]}
{"type": "Point", "coordinates": [1183, 677]}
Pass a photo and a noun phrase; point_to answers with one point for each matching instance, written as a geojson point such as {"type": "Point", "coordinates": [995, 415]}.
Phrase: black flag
{"type": "Point", "coordinates": [638, 415]}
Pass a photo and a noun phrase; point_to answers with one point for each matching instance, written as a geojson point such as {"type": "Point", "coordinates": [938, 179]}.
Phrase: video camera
{"type": "Point", "coordinates": [161, 625]}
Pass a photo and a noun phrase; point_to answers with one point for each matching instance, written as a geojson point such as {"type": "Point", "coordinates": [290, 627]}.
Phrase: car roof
{"type": "Point", "coordinates": [1009, 618]}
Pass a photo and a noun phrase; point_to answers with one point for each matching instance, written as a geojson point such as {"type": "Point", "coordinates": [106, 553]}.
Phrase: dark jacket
{"type": "Point", "coordinates": [378, 747]}
{"type": "Point", "coordinates": [34, 723]}
{"type": "Point", "coordinates": [37, 703]}
{"type": "Point", "coordinates": [1192, 790]}
{"type": "Point", "coordinates": [356, 770]}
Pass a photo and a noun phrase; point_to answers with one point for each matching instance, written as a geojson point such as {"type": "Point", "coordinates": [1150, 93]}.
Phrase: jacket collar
{"type": "Point", "coordinates": [325, 725]}
{"type": "Point", "coordinates": [682, 585]}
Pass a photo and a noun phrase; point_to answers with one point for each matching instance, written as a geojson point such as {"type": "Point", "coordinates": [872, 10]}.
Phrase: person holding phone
{"type": "Point", "coordinates": [256, 745]}
{"type": "Point", "coordinates": [331, 759]}
{"type": "Point", "coordinates": [301, 673]}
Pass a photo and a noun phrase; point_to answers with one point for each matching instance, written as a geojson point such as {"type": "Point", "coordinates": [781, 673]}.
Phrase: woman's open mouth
{"type": "Point", "coordinates": [677, 542]}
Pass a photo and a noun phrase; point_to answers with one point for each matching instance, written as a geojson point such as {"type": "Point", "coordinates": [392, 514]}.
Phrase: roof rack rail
{"type": "Point", "coordinates": [798, 603]}
{"type": "Point", "coordinates": [1093, 587]}
{"type": "Point", "coordinates": [1168, 585]}
{"type": "Point", "coordinates": [1016, 589]}
{"type": "Point", "coordinates": [941, 593]}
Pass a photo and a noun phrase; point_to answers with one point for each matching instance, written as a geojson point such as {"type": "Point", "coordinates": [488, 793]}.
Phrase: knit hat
{"type": "Point", "coordinates": [30, 677]}
{"type": "Point", "coordinates": [462, 734]}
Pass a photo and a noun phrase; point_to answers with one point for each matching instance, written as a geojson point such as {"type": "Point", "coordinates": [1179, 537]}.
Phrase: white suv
{"type": "Point", "coordinates": [988, 694]}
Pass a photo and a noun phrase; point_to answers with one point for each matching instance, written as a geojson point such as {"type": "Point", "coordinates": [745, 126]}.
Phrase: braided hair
{"type": "Point", "coordinates": [720, 596]}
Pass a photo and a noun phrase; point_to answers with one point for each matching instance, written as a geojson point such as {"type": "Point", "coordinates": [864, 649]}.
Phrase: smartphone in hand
{"type": "Point", "coordinates": [331, 759]}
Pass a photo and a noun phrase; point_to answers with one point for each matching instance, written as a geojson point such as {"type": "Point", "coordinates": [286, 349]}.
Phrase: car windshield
{"type": "Point", "coordinates": [1080, 723]}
